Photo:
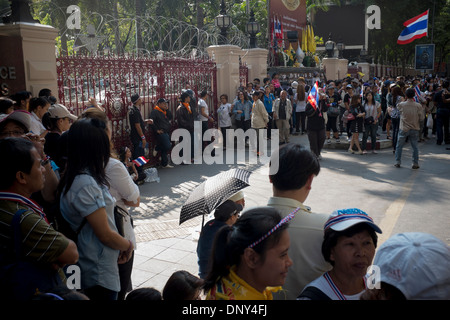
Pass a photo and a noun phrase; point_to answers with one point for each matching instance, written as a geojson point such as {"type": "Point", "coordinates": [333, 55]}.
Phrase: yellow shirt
{"type": "Point", "coordinates": [232, 287]}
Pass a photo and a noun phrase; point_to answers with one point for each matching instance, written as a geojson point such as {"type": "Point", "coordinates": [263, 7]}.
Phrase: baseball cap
{"type": "Point", "coordinates": [135, 97]}
{"type": "Point", "coordinates": [349, 86]}
{"type": "Point", "coordinates": [237, 196]}
{"type": "Point", "coordinates": [417, 264]}
{"type": "Point", "coordinates": [160, 100]}
{"type": "Point", "coordinates": [58, 111]}
{"type": "Point", "coordinates": [343, 219]}
{"type": "Point", "coordinates": [227, 209]}
{"type": "Point", "coordinates": [22, 116]}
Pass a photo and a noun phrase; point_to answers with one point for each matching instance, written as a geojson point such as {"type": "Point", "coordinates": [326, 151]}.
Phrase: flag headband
{"type": "Point", "coordinates": [286, 219]}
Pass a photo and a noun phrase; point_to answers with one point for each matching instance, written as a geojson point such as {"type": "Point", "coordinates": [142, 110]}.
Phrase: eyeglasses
{"type": "Point", "coordinates": [12, 133]}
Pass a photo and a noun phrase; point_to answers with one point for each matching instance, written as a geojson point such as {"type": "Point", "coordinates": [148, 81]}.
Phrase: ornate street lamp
{"type": "Point", "coordinates": [20, 12]}
{"type": "Point", "coordinates": [329, 46]}
{"type": "Point", "coordinates": [252, 28]}
{"type": "Point", "coordinates": [223, 21]}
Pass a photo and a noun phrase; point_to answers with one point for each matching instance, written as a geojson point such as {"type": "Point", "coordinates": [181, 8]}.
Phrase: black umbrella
{"type": "Point", "coordinates": [213, 192]}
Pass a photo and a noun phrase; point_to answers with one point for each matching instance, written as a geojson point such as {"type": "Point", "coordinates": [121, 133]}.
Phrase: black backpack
{"type": "Point", "coordinates": [20, 278]}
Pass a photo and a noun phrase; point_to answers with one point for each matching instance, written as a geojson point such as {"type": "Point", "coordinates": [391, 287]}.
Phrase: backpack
{"type": "Point", "coordinates": [61, 225]}
{"type": "Point", "coordinates": [21, 279]}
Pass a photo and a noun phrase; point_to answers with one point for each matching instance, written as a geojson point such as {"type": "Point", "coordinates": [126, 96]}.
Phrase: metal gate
{"type": "Point", "coordinates": [112, 81]}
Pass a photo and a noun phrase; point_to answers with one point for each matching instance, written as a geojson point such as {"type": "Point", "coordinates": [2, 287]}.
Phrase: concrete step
{"type": "Point", "coordinates": [344, 144]}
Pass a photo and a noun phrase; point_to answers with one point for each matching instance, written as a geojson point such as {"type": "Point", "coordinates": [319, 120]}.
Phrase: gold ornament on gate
{"type": "Point", "coordinates": [291, 4]}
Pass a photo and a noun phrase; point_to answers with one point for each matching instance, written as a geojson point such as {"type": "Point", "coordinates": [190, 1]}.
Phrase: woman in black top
{"type": "Point", "coordinates": [316, 125]}
{"type": "Point", "coordinates": [357, 125]}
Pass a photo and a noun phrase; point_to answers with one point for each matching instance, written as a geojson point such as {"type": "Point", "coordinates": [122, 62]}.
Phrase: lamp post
{"type": "Point", "coordinates": [252, 28]}
{"type": "Point", "coordinates": [363, 54]}
{"type": "Point", "coordinates": [329, 46]}
{"type": "Point", "coordinates": [223, 21]}
{"type": "Point", "coordinates": [341, 47]}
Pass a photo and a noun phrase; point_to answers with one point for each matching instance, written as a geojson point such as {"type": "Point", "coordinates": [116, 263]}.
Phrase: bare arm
{"type": "Point", "coordinates": [69, 255]}
{"type": "Point", "coordinates": [110, 238]}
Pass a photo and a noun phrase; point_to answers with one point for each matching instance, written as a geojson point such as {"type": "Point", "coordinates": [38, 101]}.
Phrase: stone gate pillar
{"type": "Point", "coordinates": [256, 60]}
{"type": "Point", "coordinates": [227, 62]}
{"type": "Point", "coordinates": [27, 58]}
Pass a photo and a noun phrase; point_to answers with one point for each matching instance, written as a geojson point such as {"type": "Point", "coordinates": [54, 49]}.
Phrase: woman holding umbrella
{"type": "Point", "coordinates": [250, 258]}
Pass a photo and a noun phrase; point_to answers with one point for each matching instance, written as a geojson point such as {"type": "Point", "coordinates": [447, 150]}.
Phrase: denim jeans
{"type": "Point", "coordinates": [414, 139]}
{"type": "Point", "coordinates": [164, 145]}
{"type": "Point", "coordinates": [370, 129]}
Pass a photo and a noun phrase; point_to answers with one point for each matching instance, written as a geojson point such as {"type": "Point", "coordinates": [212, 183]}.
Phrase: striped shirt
{"type": "Point", "coordinates": [40, 242]}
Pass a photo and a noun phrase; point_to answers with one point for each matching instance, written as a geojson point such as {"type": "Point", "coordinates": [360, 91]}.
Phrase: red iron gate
{"type": "Point", "coordinates": [112, 81]}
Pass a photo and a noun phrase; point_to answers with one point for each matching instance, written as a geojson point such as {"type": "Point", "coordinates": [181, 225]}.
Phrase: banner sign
{"type": "Point", "coordinates": [424, 59]}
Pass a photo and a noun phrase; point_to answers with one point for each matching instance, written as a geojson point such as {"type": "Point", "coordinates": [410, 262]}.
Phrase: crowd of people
{"type": "Point", "coordinates": [65, 195]}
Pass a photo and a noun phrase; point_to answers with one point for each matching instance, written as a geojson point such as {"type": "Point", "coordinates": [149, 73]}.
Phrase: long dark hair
{"type": "Point", "coordinates": [88, 151]}
{"type": "Point", "coordinates": [231, 241]}
{"type": "Point", "coordinates": [396, 92]}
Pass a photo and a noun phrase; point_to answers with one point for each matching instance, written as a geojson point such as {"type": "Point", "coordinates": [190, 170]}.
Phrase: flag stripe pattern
{"type": "Point", "coordinates": [313, 97]}
{"type": "Point", "coordinates": [140, 161]}
{"type": "Point", "coordinates": [415, 28]}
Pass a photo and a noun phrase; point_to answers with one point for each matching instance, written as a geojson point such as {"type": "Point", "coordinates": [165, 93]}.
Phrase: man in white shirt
{"type": "Point", "coordinates": [204, 113]}
{"type": "Point", "coordinates": [291, 186]}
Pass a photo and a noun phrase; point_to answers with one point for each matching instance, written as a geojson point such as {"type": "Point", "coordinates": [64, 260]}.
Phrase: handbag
{"type": "Point", "coordinates": [369, 120]}
{"type": "Point", "coordinates": [333, 111]}
{"type": "Point", "coordinates": [350, 117]}
{"type": "Point", "coordinates": [119, 215]}
{"type": "Point", "coordinates": [429, 121]}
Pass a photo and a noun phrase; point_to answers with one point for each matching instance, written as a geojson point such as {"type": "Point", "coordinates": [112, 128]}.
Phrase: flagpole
{"type": "Point", "coordinates": [432, 22]}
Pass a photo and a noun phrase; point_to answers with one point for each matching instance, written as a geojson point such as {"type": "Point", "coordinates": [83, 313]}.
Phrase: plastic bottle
{"type": "Point", "coordinates": [152, 175]}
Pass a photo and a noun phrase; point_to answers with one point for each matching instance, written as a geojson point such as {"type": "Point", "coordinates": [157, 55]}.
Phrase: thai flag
{"type": "Point", "coordinates": [416, 28]}
{"type": "Point", "coordinates": [140, 161]}
{"type": "Point", "coordinates": [418, 96]}
{"type": "Point", "coordinates": [313, 97]}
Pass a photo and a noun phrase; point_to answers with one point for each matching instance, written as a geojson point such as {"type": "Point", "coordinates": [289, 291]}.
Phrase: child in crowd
{"type": "Point", "coordinates": [125, 158]}
{"type": "Point", "coordinates": [182, 285]}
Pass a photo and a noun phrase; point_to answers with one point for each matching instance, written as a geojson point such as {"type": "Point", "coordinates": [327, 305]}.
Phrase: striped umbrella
{"type": "Point", "coordinates": [213, 192]}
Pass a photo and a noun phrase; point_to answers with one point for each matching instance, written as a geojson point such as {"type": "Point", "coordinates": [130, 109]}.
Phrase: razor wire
{"type": "Point", "coordinates": [161, 36]}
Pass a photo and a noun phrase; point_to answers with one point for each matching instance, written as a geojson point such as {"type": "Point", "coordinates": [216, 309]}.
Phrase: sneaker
{"type": "Point", "coordinates": [328, 141]}
{"type": "Point", "coordinates": [374, 152]}
{"type": "Point", "coordinates": [338, 141]}
{"type": "Point", "coordinates": [415, 166]}
{"type": "Point", "coordinates": [168, 166]}
{"type": "Point", "coordinates": [364, 152]}
{"type": "Point", "coordinates": [155, 152]}
{"type": "Point", "coordinates": [397, 165]}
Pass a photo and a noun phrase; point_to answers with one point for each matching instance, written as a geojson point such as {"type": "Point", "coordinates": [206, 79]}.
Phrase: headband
{"type": "Point", "coordinates": [286, 219]}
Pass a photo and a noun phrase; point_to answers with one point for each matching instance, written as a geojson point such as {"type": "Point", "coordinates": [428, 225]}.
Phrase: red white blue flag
{"type": "Point", "coordinates": [140, 161]}
{"type": "Point", "coordinates": [415, 28]}
{"type": "Point", "coordinates": [313, 97]}
{"type": "Point", "coordinates": [418, 95]}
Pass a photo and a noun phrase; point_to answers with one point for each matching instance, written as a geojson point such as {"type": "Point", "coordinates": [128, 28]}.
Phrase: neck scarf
{"type": "Point", "coordinates": [24, 201]}
{"type": "Point", "coordinates": [232, 287]}
{"type": "Point", "coordinates": [161, 110]}
{"type": "Point", "coordinates": [187, 106]}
